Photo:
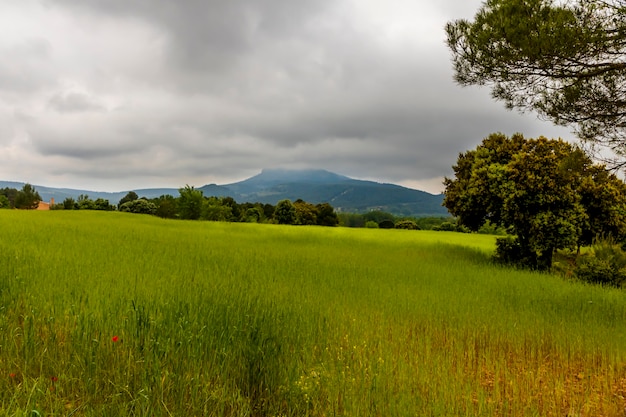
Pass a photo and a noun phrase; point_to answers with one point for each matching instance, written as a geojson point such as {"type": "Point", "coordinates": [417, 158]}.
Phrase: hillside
{"type": "Point", "coordinates": [272, 185]}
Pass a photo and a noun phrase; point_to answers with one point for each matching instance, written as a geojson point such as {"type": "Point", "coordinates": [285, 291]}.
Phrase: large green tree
{"type": "Point", "coordinates": [306, 213]}
{"type": "Point", "coordinates": [285, 212]}
{"type": "Point", "coordinates": [326, 215]}
{"type": "Point", "coordinates": [10, 194]}
{"type": "Point", "coordinates": [4, 202]}
{"type": "Point", "coordinates": [27, 198]}
{"type": "Point", "coordinates": [546, 192]}
{"type": "Point", "coordinates": [564, 60]}
{"type": "Point", "coordinates": [215, 209]}
{"type": "Point", "coordinates": [190, 203]}
{"type": "Point", "coordinates": [130, 196]}
{"type": "Point", "coordinates": [167, 206]}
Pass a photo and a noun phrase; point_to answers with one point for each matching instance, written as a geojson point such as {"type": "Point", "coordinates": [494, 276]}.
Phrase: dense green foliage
{"type": "Point", "coordinates": [546, 192]}
{"type": "Point", "coordinates": [444, 224]}
{"type": "Point", "coordinates": [563, 60]}
{"type": "Point", "coordinates": [106, 313]}
{"type": "Point", "coordinates": [193, 205]}
{"type": "Point", "coordinates": [285, 212]}
{"type": "Point", "coordinates": [605, 264]}
{"type": "Point", "coordinates": [26, 199]}
{"type": "Point", "coordinates": [8, 194]}
{"type": "Point", "coordinates": [84, 203]}
{"type": "Point", "coordinates": [138, 206]}
{"type": "Point", "coordinates": [407, 225]}
{"type": "Point", "coordinates": [130, 196]}
{"type": "Point", "coordinates": [190, 203]}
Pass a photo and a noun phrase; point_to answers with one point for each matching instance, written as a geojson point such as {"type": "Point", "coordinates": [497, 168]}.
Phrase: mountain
{"type": "Point", "coordinates": [269, 178]}
{"type": "Point", "coordinates": [343, 193]}
{"type": "Point", "coordinates": [272, 185]}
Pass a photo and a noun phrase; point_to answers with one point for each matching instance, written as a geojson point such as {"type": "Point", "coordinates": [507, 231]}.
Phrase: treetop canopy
{"type": "Point", "coordinates": [565, 60]}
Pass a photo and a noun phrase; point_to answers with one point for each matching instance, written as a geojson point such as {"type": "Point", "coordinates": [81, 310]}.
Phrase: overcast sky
{"type": "Point", "coordinates": [123, 94]}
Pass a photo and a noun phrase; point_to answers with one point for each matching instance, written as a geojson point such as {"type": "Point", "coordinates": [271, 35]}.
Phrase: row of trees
{"type": "Point", "coordinates": [377, 219]}
{"type": "Point", "coordinates": [193, 205]}
{"type": "Point", "coordinates": [27, 198]}
{"type": "Point", "coordinates": [84, 203]}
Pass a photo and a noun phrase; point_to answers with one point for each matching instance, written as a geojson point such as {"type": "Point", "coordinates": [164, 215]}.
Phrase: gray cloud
{"type": "Point", "coordinates": [22, 63]}
{"type": "Point", "coordinates": [74, 102]}
{"type": "Point", "coordinates": [146, 93]}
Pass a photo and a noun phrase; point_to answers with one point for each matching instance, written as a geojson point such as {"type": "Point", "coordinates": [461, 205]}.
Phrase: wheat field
{"type": "Point", "coordinates": [114, 314]}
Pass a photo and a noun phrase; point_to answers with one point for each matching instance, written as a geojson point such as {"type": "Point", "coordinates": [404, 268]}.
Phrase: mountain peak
{"type": "Point", "coordinates": [281, 175]}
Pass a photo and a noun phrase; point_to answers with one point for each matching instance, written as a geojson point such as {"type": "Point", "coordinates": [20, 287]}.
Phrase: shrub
{"type": "Point", "coordinates": [371, 225]}
{"type": "Point", "coordinates": [140, 206]}
{"type": "Point", "coordinates": [605, 265]}
{"type": "Point", "coordinates": [386, 224]}
{"type": "Point", "coordinates": [491, 229]}
{"type": "Point", "coordinates": [4, 202]}
{"type": "Point", "coordinates": [407, 224]}
{"type": "Point", "coordinates": [446, 227]}
{"type": "Point", "coordinates": [167, 207]}
{"type": "Point", "coordinates": [509, 251]}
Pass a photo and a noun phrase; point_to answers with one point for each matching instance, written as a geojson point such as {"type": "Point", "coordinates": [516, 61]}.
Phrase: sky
{"type": "Point", "coordinates": [126, 94]}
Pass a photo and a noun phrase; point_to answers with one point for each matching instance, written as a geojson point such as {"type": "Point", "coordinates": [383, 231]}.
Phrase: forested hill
{"type": "Point", "coordinates": [343, 193]}
{"type": "Point", "coordinates": [272, 185]}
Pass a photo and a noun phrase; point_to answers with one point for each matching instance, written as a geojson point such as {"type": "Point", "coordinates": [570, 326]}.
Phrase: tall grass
{"type": "Point", "coordinates": [111, 314]}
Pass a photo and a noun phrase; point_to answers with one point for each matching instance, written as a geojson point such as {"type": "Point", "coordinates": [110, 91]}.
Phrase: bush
{"type": "Point", "coordinates": [140, 206]}
{"type": "Point", "coordinates": [605, 265]}
{"type": "Point", "coordinates": [509, 251]}
{"type": "Point", "coordinates": [452, 226]}
{"type": "Point", "coordinates": [407, 224]}
{"type": "Point", "coordinates": [167, 207]}
{"type": "Point", "coordinates": [371, 225]}
{"type": "Point", "coordinates": [491, 229]}
{"type": "Point", "coordinates": [445, 227]}
{"type": "Point", "coordinates": [386, 224]}
{"type": "Point", "coordinates": [378, 216]}
{"type": "Point", "coordinates": [4, 202]}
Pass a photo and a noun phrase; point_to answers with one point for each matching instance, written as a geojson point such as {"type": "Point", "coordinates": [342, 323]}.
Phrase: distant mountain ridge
{"type": "Point", "coordinates": [272, 185]}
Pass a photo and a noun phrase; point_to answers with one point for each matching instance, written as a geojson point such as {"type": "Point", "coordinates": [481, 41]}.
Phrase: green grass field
{"type": "Point", "coordinates": [112, 314]}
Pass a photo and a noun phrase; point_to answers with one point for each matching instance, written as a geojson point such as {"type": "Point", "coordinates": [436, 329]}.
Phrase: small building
{"type": "Point", "coordinates": [45, 206]}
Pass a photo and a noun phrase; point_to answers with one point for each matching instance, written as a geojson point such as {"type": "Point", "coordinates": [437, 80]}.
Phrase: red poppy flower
{"type": "Point", "coordinates": [54, 379]}
{"type": "Point", "coordinates": [12, 375]}
{"type": "Point", "coordinates": [115, 338]}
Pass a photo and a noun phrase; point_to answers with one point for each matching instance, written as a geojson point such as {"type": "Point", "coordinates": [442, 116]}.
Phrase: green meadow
{"type": "Point", "coordinates": [114, 314]}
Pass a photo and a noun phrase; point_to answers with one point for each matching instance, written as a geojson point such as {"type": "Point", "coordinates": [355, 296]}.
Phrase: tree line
{"type": "Point", "coordinates": [191, 204]}
{"type": "Point", "coordinates": [27, 198]}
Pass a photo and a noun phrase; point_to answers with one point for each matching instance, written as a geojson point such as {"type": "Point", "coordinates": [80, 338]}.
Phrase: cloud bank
{"type": "Point", "coordinates": [127, 94]}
